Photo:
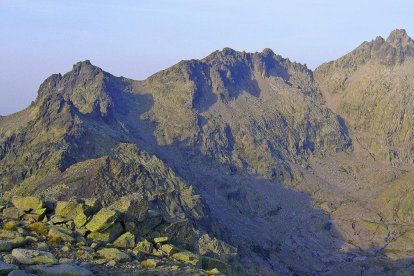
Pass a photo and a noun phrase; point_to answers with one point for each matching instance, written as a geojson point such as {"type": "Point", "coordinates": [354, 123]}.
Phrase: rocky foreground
{"type": "Point", "coordinates": [80, 237]}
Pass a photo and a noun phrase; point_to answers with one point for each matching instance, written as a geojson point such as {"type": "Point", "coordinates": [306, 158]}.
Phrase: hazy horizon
{"type": "Point", "coordinates": [136, 40]}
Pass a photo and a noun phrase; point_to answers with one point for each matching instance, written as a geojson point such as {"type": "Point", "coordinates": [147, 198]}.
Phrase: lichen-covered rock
{"type": "Point", "coordinates": [43, 246]}
{"type": "Point", "coordinates": [108, 235]}
{"type": "Point", "coordinates": [188, 257]}
{"type": "Point", "coordinates": [72, 210]}
{"type": "Point", "coordinates": [21, 231]}
{"type": "Point", "coordinates": [169, 249]}
{"type": "Point", "coordinates": [5, 269]}
{"type": "Point", "coordinates": [84, 255]}
{"type": "Point", "coordinates": [132, 207]}
{"type": "Point", "coordinates": [12, 213]}
{"type": "Point", "coordinates": [213, 271]}
{"type": "Point", "coordinates": [66, 261]}
{"type": "Point", "coordinates": [219, 249]}
{"type": "Point", "coordinates": [20, 241]}
{"type": "Point", "coordinates": [113, 254]}
{"type": "Point", "coordinates": [28, 203]}
{"type": "Point", "coordinates": [158, 252]}
{"type": "Point", "coordinates": [144, 247]}
{"type": "Point", "coordinates": [61, 234]}
{"type": "Point", "coordinates": [208, 263]}
{"type": "Point", "coordinates": [102, 220]}
{"type": "Point", "coordinates": [126, 240]}
{"type": "Point", "coordinates": [38, 227]}
{"type": "Point", "coordinates": [160, 239]}
{"type": "Point", "coordinates": [5, 246]}
{"type": "Point", "coordinates": [31, 257]}
{"type": "Point", "coordinates": [8, 234]}
{"type": "Point", "coordinates": [60, 269]}
{"type": "Point", "coordinates": [10, 225]}
{"type": "Point", "coordinates": [150, 263]}
{"type": "Point", "coordinates": [35, 215]}
{"type": "Point", "coordinates": [58, 219]}
{"type": "Point", "coordinates": [92, 205]}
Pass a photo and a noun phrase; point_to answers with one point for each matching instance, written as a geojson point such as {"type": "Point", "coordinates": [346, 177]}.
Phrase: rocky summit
{"type": "Point", "coordinates": [235, 164]}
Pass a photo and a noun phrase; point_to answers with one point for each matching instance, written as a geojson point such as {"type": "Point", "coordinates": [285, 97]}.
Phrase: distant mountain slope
{"type": "Point", "coordinates": [216, 142]}
{"type": "Point", "coordinates": [187, 138]}
{"type": "Point", "coordinates": [251, 112]}
{"type": "Point", "coordinates": [373, 88]}
{"type": "Point", "coordinates": [245, 111]}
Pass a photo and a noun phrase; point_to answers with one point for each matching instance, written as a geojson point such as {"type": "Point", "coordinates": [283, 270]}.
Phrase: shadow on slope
{"type": "Point", "coordinates": [274, 228]}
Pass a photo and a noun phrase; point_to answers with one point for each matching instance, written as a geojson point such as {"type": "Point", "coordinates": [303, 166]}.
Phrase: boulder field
{"type": "Point", "coordinates": [82, 237]}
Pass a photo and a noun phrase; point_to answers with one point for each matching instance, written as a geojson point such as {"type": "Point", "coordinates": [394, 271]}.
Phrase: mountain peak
{"type": "Point", "coordinates": [228, 51]}
{"type": "Point", "coordinates": [268, 51]}
{"type": "Point", "coordinates": [82, 63]}
{"type": "Point", "coordinates": [85, 70]}
{"type": "Point", "coordinates": [399, 38]}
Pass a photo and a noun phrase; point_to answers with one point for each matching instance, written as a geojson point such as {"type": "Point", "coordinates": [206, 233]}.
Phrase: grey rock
{"type": "Point", "coordinates": [5, 246]}
{"type": "Point", "coordinates": [6, 268]}
{"type": "Point", "coordinates": [20, 273]}
{"type": "Point", "coordinates": [60, 269]}
{"type": "Point", "coordinates": [12, 213]}
{"type": "Point", "coordinates": [29, 257]}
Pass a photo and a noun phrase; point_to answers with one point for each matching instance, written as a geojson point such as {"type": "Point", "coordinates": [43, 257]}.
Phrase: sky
{"type": "Point", "coordinates": [136, 38]}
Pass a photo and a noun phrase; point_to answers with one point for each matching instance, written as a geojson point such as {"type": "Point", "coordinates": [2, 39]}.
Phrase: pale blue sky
{"type": "Point", "coordinates": [138, 38]}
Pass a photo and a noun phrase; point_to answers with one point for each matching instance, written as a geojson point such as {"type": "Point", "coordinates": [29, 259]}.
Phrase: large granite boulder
{"type": "Point", "coordinates": [108, 235]}
{"type": "Point", "coordinates": [72, 210]}
{"type": "Point", "coordinates": [32, 257]}
{"type": "Point", "coordinates": [144, 246]}
{"type": "Point", "coordinates": [113, 254]}
{"type": "Point", "coordinates": [150, 263]}
{"type": "Point", "coordinates": [187, 257]}
{"type": "Point", "coordinates": [60, 234]}
{"type": "Point", "coordinates": [12, 213]}
{"type": "Point", "coordinates": [126, 240]}
{"type": "Point", "coordinates": [102, 220]}
{"type": "Point", "coordinates": [28, 203]}
{"type": "Point", "coordinates": [39, 227]}
{"type": "Point", "coordinates": [132, 208]}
